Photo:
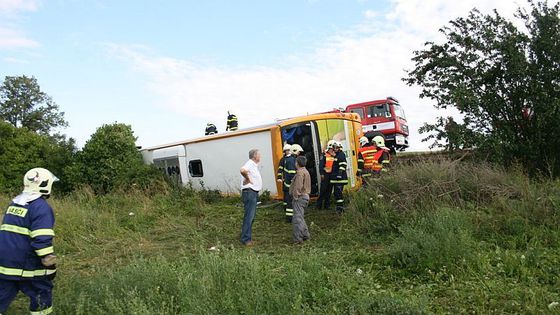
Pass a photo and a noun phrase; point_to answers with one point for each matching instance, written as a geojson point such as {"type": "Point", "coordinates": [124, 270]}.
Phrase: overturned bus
{"type": "Point", "coordinates": [213, 162]}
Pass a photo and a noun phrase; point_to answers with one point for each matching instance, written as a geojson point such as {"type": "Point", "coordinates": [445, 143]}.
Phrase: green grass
{"type": "Point", "coordinates": [433, 237]}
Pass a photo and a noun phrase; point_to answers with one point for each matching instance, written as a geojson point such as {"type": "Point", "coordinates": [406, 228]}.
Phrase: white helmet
{"type": "Point", "coordinates": [38, 180]}
{"type": "Point", "coordinates": [287, 147]}
{"type": "Point", "coordinates": [296, 149]}
{"type": "Point", "coordinates": [330, 144]}
{"type": "Point", "coordinates": [338, 144]}
{"type": "Point", "coordinates": [379, 141]}
{"type": "Point", "coordinates": [364, 141]}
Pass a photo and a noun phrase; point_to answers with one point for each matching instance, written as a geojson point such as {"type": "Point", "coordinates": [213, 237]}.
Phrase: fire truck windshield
{"type": "Point", "coordinates": [399, 112]}
{"type": "Point", "coordinates": [381, 110]}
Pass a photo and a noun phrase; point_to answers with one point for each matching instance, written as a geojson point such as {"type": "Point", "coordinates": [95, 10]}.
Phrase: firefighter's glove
{"type": "Point", "coordinates": [359, 173]}
{"type": "Point", "coordinates": [49, 260]}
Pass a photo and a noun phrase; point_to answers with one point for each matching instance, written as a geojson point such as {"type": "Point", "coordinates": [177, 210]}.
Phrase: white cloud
{"type": "Point", "coordinates": [370, 14]}
{"type": "Point", "coordinates": [10, 38]}
{"type": "Point", "coordinates": [13, 6]}
{"type": "Point", "coordinates": [358, 65]}
{"type": "Point", "coordinates": [15, 60]}
{"type": "Point", "coordinates": [11, 35]}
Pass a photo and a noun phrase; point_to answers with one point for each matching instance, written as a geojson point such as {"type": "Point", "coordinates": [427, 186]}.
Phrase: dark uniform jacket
{"type": "Point", "coordinates": [339, 175]}
{"type": "Point", "coordinates": [26, 235]}
{"type": "Point", "coordinates": [287, 170]}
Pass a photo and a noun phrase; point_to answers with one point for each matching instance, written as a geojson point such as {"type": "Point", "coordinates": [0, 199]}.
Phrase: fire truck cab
{"type": "Point", "coordinates": [383, 117]}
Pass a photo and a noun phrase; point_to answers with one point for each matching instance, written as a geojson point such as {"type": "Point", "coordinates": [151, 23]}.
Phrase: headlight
{"type": "Point", "coordinates": [404, 128]}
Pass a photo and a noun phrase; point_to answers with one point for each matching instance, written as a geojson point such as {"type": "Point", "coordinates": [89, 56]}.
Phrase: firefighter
{"type": "Point", "coordinates": [381, 158]}
{"type": "Point", "coordinates": [210, 129]}
{"type": "Point", "coordinates": [27, 259]}
{"type": "Point", "coordinates": [365, 160]}
{"type": "Point", "coordinates": [289, 173]}
{"type": "Point", "coordinates": [286, 171]}
{"type": "Point", "coordinates": [339, 178]}
{"type": "Point", "coordinates": [231, 122]}
{"type": "Point", "coordinates": [325, 169]}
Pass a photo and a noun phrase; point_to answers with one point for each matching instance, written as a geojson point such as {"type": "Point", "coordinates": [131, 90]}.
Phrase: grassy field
{"type": "Point", "coordinates": [434, 237]}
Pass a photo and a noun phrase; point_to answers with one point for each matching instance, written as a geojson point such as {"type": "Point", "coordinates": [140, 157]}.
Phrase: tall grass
{"type": "Point", "coordinates": [432, 237]}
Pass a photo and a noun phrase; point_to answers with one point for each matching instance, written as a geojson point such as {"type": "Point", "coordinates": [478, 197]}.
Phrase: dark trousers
{"type": "Point", "coordinates": [288, 204]}
{"type": "Point", "coordinates": [366, 180]}
{"type": "Point", "coordinates": [249, 198]}
{"type": "Point", "coordinates": [339, 197]}
{"type": "Point", "coordinates": [299, 227]}
{"type": "Point", "coordinates": [324, 200]}
{"type": "Point", "coordinates": [39, 292]}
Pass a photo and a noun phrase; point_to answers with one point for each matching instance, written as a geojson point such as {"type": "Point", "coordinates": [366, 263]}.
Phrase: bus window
{"type": "Point", "coordinates": [195, 168]}
{"type": "Point", "coordinates": [381, 110]}
{"type": "Point", "coordinates": [359, 111]}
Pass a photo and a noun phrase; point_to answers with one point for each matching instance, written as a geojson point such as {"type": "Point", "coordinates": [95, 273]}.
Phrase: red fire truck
{"type": "Point", "coordinates": [383, 117]}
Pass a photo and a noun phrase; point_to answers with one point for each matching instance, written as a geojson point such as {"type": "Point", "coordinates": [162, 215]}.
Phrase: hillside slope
{"type": "Point", "coordinates": [434, 237]}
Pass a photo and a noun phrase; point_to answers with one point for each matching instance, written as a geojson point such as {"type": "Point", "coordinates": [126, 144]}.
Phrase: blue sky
{"type": "Point", "coordinates": [168, 67]}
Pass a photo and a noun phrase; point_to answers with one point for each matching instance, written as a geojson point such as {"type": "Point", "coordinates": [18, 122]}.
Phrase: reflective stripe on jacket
{"type": "Point", "coordinates": [26, 235]}
{"type": "Point", "coordinates": [339, 175]}
{"type": "Point", "coordinates": [329, 162]}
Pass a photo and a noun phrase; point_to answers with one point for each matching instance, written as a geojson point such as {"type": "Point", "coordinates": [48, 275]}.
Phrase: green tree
{"type": "Point", "coordinates": [110, 160]}
{"type": "Point", "coordinates": [504, 81]}
{"type": "Point", "coordinates": [457, 136]}
{"type": "Point", "coordinates": [23, 104]}
{"type": "Point", "coordinates": [22, 149]}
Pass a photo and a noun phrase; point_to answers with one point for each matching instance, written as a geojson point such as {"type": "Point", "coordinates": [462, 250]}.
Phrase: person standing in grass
{"type": "Point", "coordinates": [27, 259]}
{"type": "Point", "coordinates": [250, 187]}
{"type": "Point", "coordinates": [300, 190]}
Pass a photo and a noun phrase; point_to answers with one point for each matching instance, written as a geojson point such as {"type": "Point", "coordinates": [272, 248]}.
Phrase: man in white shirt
{"type": "Point", "coordinates": [250, 186]}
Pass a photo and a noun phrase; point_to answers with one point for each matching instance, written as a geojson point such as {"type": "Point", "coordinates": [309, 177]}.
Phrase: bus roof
{"type": "Point", "coordinates": [278, 123]}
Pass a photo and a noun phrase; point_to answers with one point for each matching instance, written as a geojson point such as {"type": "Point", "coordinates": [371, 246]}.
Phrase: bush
{"type": "Point", "coordinates": [110, 160]}
{"type": "Point", "coordinates": [22, 150]}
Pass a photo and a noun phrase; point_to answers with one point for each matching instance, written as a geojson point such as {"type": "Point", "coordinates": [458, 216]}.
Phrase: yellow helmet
{"type": "Point", "coordinates": [379, 141]}
{"type": "Point", "coordinates": [38, 180]}
{"type": "Point", "coordinates": [296, 149]}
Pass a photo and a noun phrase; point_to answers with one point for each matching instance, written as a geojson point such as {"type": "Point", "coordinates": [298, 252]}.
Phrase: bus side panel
{"type": "Point", "coordinates": [354, 138]}
{"type": "Point", "coordinates": [222, 159]}
{"type": "Point", "coordinates": [277, 146]}
{"type": "Point", "coordinates": [170, 161]}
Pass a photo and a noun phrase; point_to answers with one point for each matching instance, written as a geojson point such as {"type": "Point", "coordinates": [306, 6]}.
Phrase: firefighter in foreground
{"type": "Point", "coordinates": [232, 123]}
{"type": "Point", "coordinates": [366, 156]}
{"type": "Point", "coordinates": [339, 178]}
{"type": "Point", "coordinates": [27, 259]}
{"type": "Point", "coordinates": [381, 158]}
{"type": "Point", "coordinates": [286, 171]}
{"type": "Point", "coordinates": [210, 129]}
{"type": "Point", "coordinates": [325, 169]}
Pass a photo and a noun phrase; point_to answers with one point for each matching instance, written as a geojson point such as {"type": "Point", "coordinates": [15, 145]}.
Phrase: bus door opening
{"type": "Point", "coordinates": [304, 134]}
